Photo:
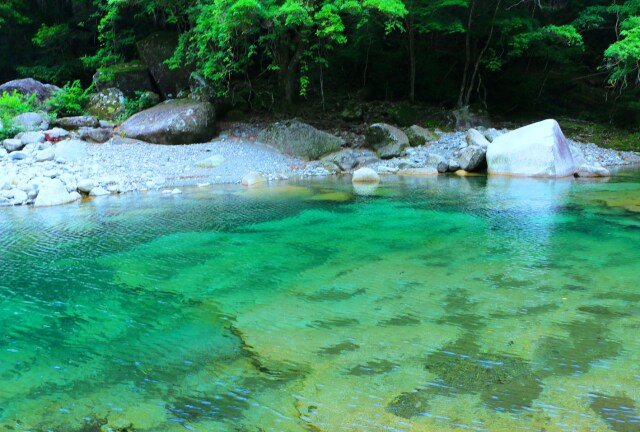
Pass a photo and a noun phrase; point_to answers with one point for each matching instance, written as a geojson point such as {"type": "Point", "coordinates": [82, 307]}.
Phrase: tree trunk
{"type": "Point", "coordinates": [412, 58]}
{"type": "Point", "coordinates": [467, 60]}
{"type": "Point", "coordinates": [290, 51]}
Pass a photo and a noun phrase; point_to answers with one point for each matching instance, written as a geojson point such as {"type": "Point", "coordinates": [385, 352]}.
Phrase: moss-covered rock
{"type": "Point", "coordinates": [420, 136]}
{"type": "Point", "coordinates": [108, 104]}
{"type": "Point", "coordinates": [128, 77]}
{"type": "Point", "coordinates": [386, 140]}
{"type": "Point", "coordinates": [154, 51]}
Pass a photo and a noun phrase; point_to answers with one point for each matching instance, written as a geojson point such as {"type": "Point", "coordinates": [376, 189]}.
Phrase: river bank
{"type": "Point", "coordinates": [123, 165]}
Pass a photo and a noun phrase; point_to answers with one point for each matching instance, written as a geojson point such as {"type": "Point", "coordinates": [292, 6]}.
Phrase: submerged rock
{"type": "Point", "coordinates": [300, 139]}
{"type": "Point", "coordinates": [593, 170]}
{"type": "Point", "coordinates": [253, 178]}
{"type": "Point", "coordinates": [180, 121]}
{"type": "Point", "coordinates": [537, 150]}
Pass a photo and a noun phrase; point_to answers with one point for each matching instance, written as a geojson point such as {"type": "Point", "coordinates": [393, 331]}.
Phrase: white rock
{"type": "Point", "coordinates": [45, 155]}
{"type": "Point", "coordinates": [85, 185]}
{"type": "Point", "coordinates": [98, 191]}
{"type": "Point", "coordinates": [253, 178]}
{"type": "Point", "coordinates": [590, 170]}
{"type": "Point", "coordinates": [32, 138]}
{"type": "Point", "coordinates": [53, 192]}
{"type": "Point", "coordinates": [19, 196]}
{"type": "Point", "coordinates": [365, 175]}
{"type": "Point", "coordinates": [12, 145]}
{"type": "Point", "coordinates": [537, 150]}
{"type": "Point", "coordinates": [211, 162]}
{"type": "Point", "coordinates": [3, 153]}
{"type": "Point", "coordinates": [70, 150]}
{"type": "Point", "coordinates": [426, 171]}
{"type": "Point", "coordinates": [176, 191]}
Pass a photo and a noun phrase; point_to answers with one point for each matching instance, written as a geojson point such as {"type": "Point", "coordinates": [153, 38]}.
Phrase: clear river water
{"type": "Point", "coordinates": [425, 304]}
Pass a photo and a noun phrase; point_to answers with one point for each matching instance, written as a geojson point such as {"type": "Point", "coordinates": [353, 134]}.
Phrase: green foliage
{"type": "Point", "coordinates": [539, 41]}
{"type": "Point", "coordinates": [13, 10]}
{"type": "Point", "coordinates": [70, 100]}
{"type": "Point", "coordinates": [140, 102]}
{"type": "Point", "coordinates": [12, 105]}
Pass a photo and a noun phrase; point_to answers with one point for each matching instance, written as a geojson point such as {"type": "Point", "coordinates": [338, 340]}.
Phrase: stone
{"type": "Point", "coordinates": [3, 153]}
{"type": "Point", "coordinates": [365, 175]}
{"type": "Point", "coordinates": [418, 135]}
{"type": "Point", "coordinates": [77, 122]}
{"type": "Point", "coordinates": [27, 87]}
{"type": "Point", "coordinates": [211, 162]}
{"type": "Point", "coordinates": [343, 158]}
{"type": "Point", "coordinates": [19, 196]}
{"type": "Point", "coordinates": [55, 135]}
{"type": "Point", "coordinates": [97, 135]}
{"type": "Point", "coordinates": [18, 155]}
{"type": "Point", "coordinates": [253, 178]}
{"type": "Point", "coordinates": [434, 159]}
{"type": "Point", "coordinates": [32, 121]}
{"type": "Point", "coordinates": [384, 169]}
{"type": "Point", "coordinates": [70, 150]}
{"type": "Point", "coordinates": [98, 191]}
{"type": "Point", "coordinates": [491, 134]}
{"type": "Point", "coordinates": [443, 166]}
{"type": "Point", "coordinates": [154, 51]}
{"type": "Point", "coordinates": [426, 171]}
{"type": "Point", "coordinates": [586, 170]}
{"type": "Point", "coordinates": [299, 139]}
{"type": "Point", "coordinates": [179, 121]}
{"type": "Point", "coordinates": [388, 141]}
{"type": "Point", "coordinates": [129, 78]}
{"type": "Point", "coordinates": [32, 138]}
{"type": "Point", "coordinates": [454, 165]}
{"type": "Point", "coordinates": [85, 185]}
{"type": "Point", "coordinates": [53, 192]}
{"type": "Point", "coordinates": [12, 144]}
{"type": "Point", "coordinates": [107, 104]}
{"type": "Point", "coordinates": [473, 158]}
{"type": "Point", "coordinates": [45, 155]}
{"type": "Point", "coordinates": [476, 138]}
{"type": "Point", "coordinates": [536, 150]}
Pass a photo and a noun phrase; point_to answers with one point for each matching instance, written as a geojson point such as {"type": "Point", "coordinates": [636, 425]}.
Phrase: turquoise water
{"type": "Point", "coordinates": [444, 303]}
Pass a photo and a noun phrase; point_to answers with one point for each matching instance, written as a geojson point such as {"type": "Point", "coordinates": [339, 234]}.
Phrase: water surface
{"type": "Point", "coordinates": [427, 304]}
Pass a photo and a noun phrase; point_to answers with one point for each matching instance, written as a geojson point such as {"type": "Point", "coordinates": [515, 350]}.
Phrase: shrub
{"type": "Point", "coordinates": [70, 100]}
{"type": "Point", "coordinates": [11, 105]}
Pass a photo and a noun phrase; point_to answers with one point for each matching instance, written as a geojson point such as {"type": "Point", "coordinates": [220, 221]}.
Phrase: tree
{"type": "Point", "coordinates": [288, 35]}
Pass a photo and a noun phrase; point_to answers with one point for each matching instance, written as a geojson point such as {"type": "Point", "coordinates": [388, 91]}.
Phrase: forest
{"type": "Point", "coordinates": [513, 58]}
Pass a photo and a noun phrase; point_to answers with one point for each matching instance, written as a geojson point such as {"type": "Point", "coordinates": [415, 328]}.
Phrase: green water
{"type": "Point", "coordinates": [427, 304]}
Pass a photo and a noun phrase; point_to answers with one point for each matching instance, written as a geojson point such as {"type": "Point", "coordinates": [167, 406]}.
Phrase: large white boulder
{"type": "Point", "coordinates": [536, 150]}
{"type": "Point", "coordinates": [70, 150]}
{"type": "Point", "coordinates": [53, 192]}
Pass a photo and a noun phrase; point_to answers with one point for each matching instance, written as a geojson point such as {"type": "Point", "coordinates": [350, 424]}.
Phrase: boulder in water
{"type": "Point", "coordinates": [53, 192]}
{"type": "Point", "coordinates": [365, 175]}
{"type": "Point", "coordinates": [536, 150]}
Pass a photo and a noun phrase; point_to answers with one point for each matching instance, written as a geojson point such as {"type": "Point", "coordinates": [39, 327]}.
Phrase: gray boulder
{"type": "Point", "coordinates": [96, 135]}
{"type": "Point", "coordinates": [179, 121]}
{"type": "Point", "coordinates": [32, 138]}
{"type": "Point", "coordinates": [77, 122]}
{"type": "Point", "coordinates": [473, 158]}
{"type": "Point", "coordinates": [27, 87]}
{"type": "Point", "coordinates": [32, 121]}
{"type": "Point", "coordinates": [45, 155]}
{"type": "Point", "coordinates": [343, 158]}
{"type": "Point", "coordinates": [53, 192]}
{"type": "Point", "coordinates": [420, 136]}
{"type": "Point", "coordinates": [386, 140]}
{"type": "Point", "coordinates": [476, 138]}
{"type": "Point", "coordinates": [107, 104]}
{"type": "Point", "coordinates": [536, 150]}
{"type": "Point", "coordinates": [55, 135]}
{"type": "Point", "coordinates": [70, 150]}
{"type": "Point", "coordinates": [13, 144]}
{"type": "Point", "coordinates": [300, 139]}
{"type": "Point", "coordinates": [154, 51]}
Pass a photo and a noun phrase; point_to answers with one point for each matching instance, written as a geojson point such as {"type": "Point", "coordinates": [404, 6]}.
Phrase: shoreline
{"type": "Point", "coordinates": [123, 165]}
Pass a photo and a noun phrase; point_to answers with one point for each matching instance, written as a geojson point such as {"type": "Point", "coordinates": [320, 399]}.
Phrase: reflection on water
{"type": "Point", "coordinates": [440, 303]}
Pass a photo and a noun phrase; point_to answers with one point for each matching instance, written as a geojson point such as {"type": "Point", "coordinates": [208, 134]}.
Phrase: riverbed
{"type": "Point", "coordinates": [439, 303]}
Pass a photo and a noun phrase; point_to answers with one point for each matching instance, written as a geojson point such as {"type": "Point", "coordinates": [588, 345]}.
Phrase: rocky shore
{"type": "Point", "coordinates": [68, 169]}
